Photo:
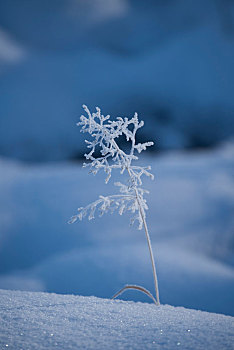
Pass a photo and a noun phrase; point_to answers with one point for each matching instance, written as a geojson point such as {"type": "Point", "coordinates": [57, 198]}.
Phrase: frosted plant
{"type": "Point", "coordinates": [104, 134]}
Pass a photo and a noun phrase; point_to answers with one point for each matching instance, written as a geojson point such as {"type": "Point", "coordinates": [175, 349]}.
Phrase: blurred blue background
{"type": "Point", "coordinates": [172, 62]}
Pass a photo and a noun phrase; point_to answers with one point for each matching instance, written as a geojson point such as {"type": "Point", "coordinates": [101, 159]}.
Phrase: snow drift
{"type": "Point", "coordinates": [48, 321]}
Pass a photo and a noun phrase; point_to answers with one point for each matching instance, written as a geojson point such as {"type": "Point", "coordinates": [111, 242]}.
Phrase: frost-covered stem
{"type": "Point", "coordinates": [150, 249]}
{"type": "Point", "coordinates": [149, 243]}
{"type": "Point", "coordinates": [141, 210]}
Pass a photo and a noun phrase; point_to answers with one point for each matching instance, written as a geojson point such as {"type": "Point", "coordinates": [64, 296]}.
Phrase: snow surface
{"type": "Point", "coordinates": [50, 321]}
{"type": "Point", "coordinates": [190, 218]}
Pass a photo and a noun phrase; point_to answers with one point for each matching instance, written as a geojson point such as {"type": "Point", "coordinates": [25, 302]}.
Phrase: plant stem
{"type": "Point", "coordinates": [141, 289]}
{"type": "Point", "coordinates": [150, 249]}
{"type": "Point", "coordinates": [148, 242]}
{"type": "Point", "coordinates": [141, 210]}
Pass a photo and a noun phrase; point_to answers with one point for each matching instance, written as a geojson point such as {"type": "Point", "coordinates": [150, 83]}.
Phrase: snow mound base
{"type": "Point", "coordinates": [50, 321]}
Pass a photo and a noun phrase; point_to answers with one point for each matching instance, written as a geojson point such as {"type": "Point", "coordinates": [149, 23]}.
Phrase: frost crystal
{"type": "Point", "coordinates": [104, 134]}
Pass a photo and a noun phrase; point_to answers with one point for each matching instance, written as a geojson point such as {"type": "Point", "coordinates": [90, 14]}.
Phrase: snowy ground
{"type": "Point", "coordinates": [49, 321]}
{"type": "Point", "coordinates": [190, 219]}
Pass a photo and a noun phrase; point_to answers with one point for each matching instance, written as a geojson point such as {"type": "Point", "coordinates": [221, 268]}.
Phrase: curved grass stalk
{"type": "Point", "coordinates": [141, 289]}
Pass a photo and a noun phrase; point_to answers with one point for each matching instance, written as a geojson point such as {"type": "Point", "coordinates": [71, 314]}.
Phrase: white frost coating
{"type": "Point", "coordinates": [104, 133]}
{"type": "Point", "coordinates": [42, 321]}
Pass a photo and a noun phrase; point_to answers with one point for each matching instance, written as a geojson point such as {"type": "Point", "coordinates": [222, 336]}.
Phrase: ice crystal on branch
{"type": "Point", "coordinates": [104, 142]}
{"type": "Point", "coordinates": [104, 153]}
